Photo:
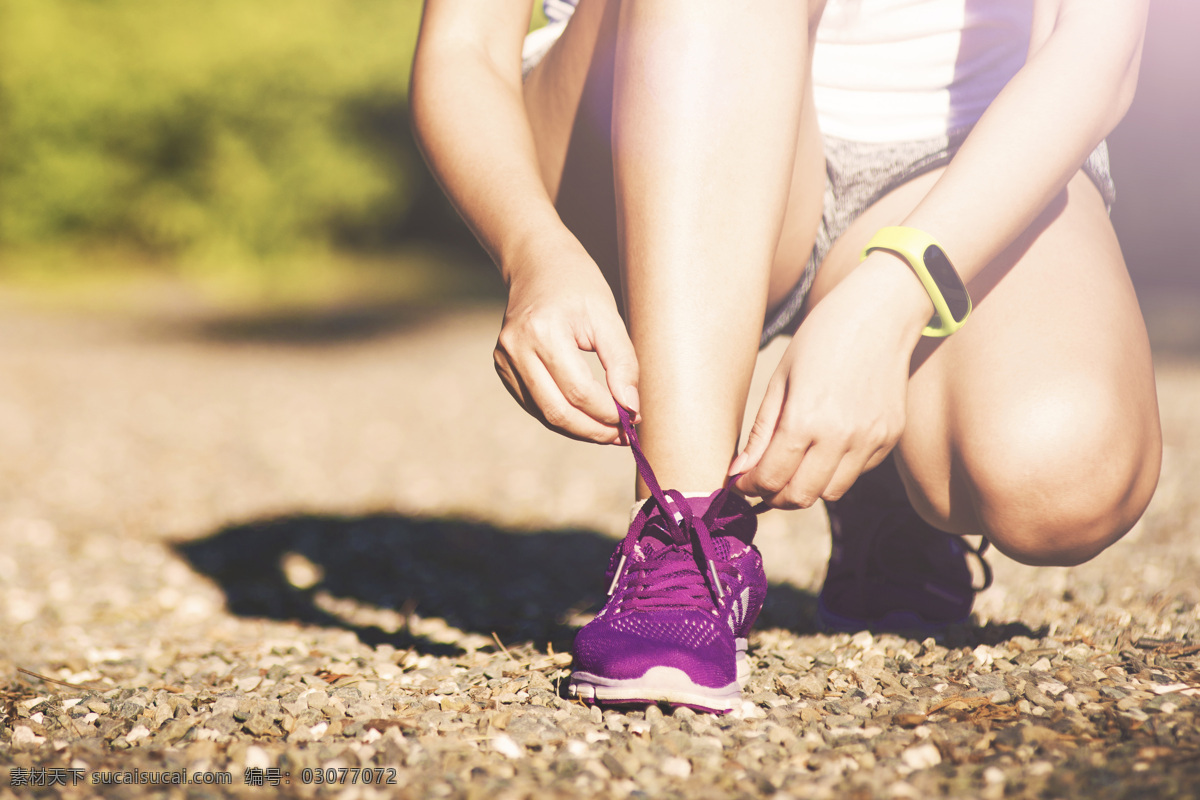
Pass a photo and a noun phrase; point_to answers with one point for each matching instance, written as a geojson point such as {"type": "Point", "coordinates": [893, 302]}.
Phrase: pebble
{"type": "Point", "coordinates": [505, 746]}
{"type": "Point", "coordinates": [921, 756]}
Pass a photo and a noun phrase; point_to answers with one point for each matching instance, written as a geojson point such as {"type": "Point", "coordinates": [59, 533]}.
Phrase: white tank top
{"type": "Point", "coordinates": [897, 70]}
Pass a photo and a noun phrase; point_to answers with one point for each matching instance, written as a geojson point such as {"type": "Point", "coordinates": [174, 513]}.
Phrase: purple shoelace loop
{"type": "Point", "coordinates": [669, 576]}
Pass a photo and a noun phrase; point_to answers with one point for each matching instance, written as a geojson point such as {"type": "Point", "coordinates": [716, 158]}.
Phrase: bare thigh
{"type": "Point", "coordinates": [1036, 424]}
{"type": "Point", "coordinates": [568, 97]}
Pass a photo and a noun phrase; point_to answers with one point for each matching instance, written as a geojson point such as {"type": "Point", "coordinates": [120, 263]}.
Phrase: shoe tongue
{"type": "Point", "coordinates": [736, 534]}
{"type": "Point", "coordinates": [652, 542]}
{"type": "Point", "coordinates": [732, 538]}
{"type": "Point", "coordinates": [657, 535]}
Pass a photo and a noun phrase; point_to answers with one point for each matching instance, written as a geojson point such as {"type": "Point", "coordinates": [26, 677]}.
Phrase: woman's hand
{"type": "Point", "coordinates": [835, 406]}
{"type": "Point", "coordinates": [558, 305]}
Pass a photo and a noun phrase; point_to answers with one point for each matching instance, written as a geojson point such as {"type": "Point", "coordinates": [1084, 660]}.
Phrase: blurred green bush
{"type": "Point", "coordinates": [226, 129]}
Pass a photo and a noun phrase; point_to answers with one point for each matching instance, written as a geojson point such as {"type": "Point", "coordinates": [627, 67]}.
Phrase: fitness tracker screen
{"type": "Point", "coordinates": [948, 282]}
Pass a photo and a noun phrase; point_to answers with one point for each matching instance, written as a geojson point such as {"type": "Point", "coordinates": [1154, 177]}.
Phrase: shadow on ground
{"type": "Point", "coordinates": [367, 574]}
{"type": "Point", "coordinates": [522, 585]}
{"type": "Point", "coordinates": [330, 324]}
{"type": "Point", "coordinates": [342, 324]}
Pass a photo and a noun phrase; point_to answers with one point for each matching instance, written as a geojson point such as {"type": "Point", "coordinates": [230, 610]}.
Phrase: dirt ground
{"type": "Point", "coordinates": [355, 489]}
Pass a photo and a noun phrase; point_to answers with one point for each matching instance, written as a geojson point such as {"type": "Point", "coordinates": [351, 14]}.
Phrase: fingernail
{"type": "Point", "coordinates": [738, 463]}
{"type": "Point", "coordinates": [632, 401]}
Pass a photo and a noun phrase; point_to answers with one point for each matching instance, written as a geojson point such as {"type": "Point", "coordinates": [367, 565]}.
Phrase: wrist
{"type": "Point", "coordinates": [527, 256]}
{"type": "Point", "coordinates": [896, 292]}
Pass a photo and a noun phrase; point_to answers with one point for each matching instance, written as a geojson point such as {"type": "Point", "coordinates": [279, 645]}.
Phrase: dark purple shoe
{"type": "Point", "coordinates": [889, 570]}
{"type": "Point", "coordinates": [685, 586]}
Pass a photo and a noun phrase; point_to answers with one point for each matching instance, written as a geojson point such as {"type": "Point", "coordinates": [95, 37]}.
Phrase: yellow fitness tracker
{"type": "Point", "coordinates": [951, 302]}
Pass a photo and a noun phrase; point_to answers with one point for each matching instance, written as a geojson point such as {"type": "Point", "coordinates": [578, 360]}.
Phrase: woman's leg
{"type": "Point", "coordinates": [1036, 425]}
{"type": "Point", "coordinates": [681, 146]}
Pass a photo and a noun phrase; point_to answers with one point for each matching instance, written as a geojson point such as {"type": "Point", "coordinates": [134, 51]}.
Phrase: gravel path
{"type": "Point", "coordinates": [295, 548]}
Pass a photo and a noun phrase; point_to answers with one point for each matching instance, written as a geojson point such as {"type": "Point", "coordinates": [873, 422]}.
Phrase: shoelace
{"type": "Point", "coordinates": [984, 566]}
{"type": "Point", "coordinates": [671, 577]}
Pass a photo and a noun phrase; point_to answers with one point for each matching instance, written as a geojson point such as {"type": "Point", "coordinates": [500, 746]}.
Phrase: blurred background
{"type": "Point", "coordinates": [248, 154]}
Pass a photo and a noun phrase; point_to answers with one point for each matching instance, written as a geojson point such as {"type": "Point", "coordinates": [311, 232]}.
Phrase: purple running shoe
{"type": "Point", "coordinates": [685, 586]}
{"type": "Point", "coordinates": [889, 570]}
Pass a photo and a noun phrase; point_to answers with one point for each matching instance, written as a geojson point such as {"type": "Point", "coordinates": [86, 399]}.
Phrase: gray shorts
{"type": "Point", "coordinates": [860, 173]}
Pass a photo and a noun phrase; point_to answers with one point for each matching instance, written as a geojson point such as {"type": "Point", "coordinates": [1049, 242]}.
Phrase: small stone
{"type": "Point", "coordinates": [300, 572]}
{"type": "Point", "coordinates": [249, 684]}
{"type": "Point", "coordinates": [1036, 735]}
{"type": "Point", "coordinates": [676, 767]}
{"type": "Point", "coordinates": [225, 705]}
{"type": "Point", "coordinates": [257, 758]}
{"type": "Point", "coordinates": [456, 704]}
{"type": "Point", "coordinates": [261, 725]}
{"type": "Point", "coordinates": [811, 686]}
{"type": "Point", "coordinates": [862, 640]}
{"type": "Point", "coordinates": [222, 723]}
{"type": "Point", "coordinates": [683, 713]}
{"type": "Point", "coordinates": [295, 708]}
{"type": "Point", "coordinates": [129, 710]}
{"type": "Point", "coordinates": [922, 756]}
{"type": "Point", "coordinates": [639, 727]}
{"type": "Point", "coordinates": [505, 746]}
{"type": "Point", "coordinates": [173, 731]}
{"type": "Point", "coordinates": [24, 737]}
{"type": "Point", "coordinates": [1036, 696]}
{"type": "Point", "coordinates": [811, 715]}
{"type": "Point", "coordinates": [614, 766]}
{"type": "Point", "coordinates": [987, 683]}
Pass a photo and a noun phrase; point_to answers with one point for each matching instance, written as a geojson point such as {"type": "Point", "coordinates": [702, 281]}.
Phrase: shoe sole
{"type": "Point", "coordinates": [662, 685]}
{"type": "Point", "coordinates": [901, 622]}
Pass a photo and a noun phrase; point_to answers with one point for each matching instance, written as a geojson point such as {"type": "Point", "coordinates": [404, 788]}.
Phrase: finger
{"type": "Point", "coordinates": [615, 351]}
{"type": "Point", "coordinates": [570, 373]}
{"type": "Point", "coordinates": [816, 469]}
{"type": "Point", "coordinates": [511, 375]}
{"type": "Point", "coordinates": [541, 397]}
{"type": "Point", "coordinates": [778, 464]}
{"type": "Point", "coordinates": [761, 432]}
{"type": "Point", "coordinates": [878, 457]}
{"type": "Point", "coordinates": [851, 466]}
{"type": "Point", "coordinates": [508, 377]}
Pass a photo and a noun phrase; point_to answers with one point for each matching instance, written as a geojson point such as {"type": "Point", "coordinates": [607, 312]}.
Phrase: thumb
{"type": "Point", "coordinates": [760, 433]}
{"type": "Point", "coordinates": [616, 354]}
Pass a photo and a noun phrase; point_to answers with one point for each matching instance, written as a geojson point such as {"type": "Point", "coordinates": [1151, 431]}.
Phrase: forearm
{"type": "Point", "coordinates": [1034, 137]}
{"type": "Point", "coordinates": [471, 125]}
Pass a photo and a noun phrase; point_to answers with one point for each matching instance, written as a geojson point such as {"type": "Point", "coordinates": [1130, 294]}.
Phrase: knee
{"type": "Point", "coordinates": [1055, 483]}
